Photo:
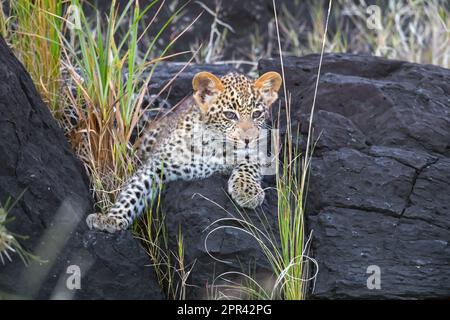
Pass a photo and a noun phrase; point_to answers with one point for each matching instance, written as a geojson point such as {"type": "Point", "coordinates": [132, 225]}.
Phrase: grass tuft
{"type": "Point", "coordinates": [170, 268]}
{"type": "Point", "coordinates": [416, 31]}
{"type": "Point", "coordinates": [288, 254]}
{"type": "Point", "coordinates": [111, 78]}
{"type": "Point", "coordinates": [9, 243]}
{"type": "Point", "coordinates": [32, 29]}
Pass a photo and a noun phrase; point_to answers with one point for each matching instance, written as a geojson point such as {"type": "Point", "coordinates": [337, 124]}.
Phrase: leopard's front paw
{"type": "Point", "coordinates": [103, 222]}
{"type": "Point", "coordinates": [247, 197]}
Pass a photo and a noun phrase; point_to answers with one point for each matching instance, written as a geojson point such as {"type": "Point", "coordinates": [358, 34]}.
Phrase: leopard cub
{"type": "Point", "coordinates": [193, 142]}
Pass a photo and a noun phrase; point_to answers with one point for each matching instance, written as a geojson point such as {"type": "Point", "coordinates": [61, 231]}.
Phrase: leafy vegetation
{"type": "Point", "coordinates": [9, 243]}
{"type": "Point", "coordinates": [32, 29]}
{"type": "Point", "coordinates": [415, 31]}
{"type": "Point", "coordinates": [170, 268]}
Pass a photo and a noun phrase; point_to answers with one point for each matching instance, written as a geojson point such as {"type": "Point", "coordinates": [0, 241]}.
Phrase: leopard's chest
{"type": "Point", "coordinates": [193, 149]}
{"type": "Point", "coordinates": [198, 145]}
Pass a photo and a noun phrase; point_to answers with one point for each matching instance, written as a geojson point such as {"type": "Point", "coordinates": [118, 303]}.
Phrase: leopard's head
{"type": "Point", "coordinates": [235, 105]}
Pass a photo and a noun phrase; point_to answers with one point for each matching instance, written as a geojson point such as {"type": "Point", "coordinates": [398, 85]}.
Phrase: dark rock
{"type": "Point", "coordinates": [176, 78]}
{"type": "Point", "coordinates": [36, 158]}
{"type": "Point", "coordinates": [379, 180]}
{"type": "Point", "coordinates": [121, 269]}
{"type": "Point", "coordinates": [378, 187]}
{"type": "Point", "coordinates": [412, 255]}
{"type": "Point", "coordinates": [429, 200]}
{"type": "Point", "coordinates": [392, 103]}
{"type": "Point", "coordinates": [350, 179]}
{"type": "Point", "coordinates": [380, 173]}
{"type": "Point", "coordinates": [195, 207]}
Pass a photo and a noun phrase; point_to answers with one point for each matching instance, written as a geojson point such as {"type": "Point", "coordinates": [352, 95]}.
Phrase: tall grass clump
{"type": "Point", "coordinates": [171, 271]}
{"type": "Point", "coordinates": [94, 74]}
{"type": "Point", "coordinates": [286, 249]}
{"type": "Point", "coordinates": [292, 188]}
{"type": "Point", "coordinates": [9, 242]}
{"type": "Point", "coordinates": [32, 29]}
{"type": "Point", "coordinates": [111, 78]}
{"type": "Point", "coordinates": [5, 21]}
{"type": "Point", "coordinates": [416, 31]}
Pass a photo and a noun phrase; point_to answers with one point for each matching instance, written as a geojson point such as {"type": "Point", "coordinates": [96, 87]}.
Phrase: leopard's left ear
{"type": "Point", "coordinates": [268, 85]}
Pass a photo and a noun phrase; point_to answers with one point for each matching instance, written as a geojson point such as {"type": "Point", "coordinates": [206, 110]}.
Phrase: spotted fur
{"type": "Point", "coordinates": [193, 142]}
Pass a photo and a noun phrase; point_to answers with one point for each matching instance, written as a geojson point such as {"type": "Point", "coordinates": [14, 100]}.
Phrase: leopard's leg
{"type": "Point", "coordinates": [139, 191]}
{"type": "Point", "coordinates": [244, 185]}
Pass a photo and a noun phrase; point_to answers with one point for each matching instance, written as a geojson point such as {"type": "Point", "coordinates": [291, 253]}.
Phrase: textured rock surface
{"type": "Point", "coordinates": [35, 157]}
{"type": "Point", "coordinates": [379, 183]}
{"type": "Point", "coordinates": [380, 174]}
{"type": "Point", "coordinates": [185, 206]}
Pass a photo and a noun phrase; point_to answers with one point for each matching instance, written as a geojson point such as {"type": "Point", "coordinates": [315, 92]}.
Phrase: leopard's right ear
{"type": "Point", "coordinates": [207, 88]}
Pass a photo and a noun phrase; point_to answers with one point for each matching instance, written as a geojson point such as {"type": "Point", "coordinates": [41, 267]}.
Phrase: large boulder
{"type": "Point", "coordinates": [36, 159]}
{"type": "Point", "coordinates": [380, 173]}
{"type": "Point", "coordinates": [378, 187]}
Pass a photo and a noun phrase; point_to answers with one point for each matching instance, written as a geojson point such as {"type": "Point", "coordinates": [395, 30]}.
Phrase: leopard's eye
{"type": "Point", "coordinates": [230, 115]}
{"type": "Point", "coordinates": [256, 114]}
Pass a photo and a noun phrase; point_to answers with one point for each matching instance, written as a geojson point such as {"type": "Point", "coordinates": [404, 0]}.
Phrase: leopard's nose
{"type": "Point", "coordinates": [245, 125]}
{"type": "Point", "coordinates": [248, 135]}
